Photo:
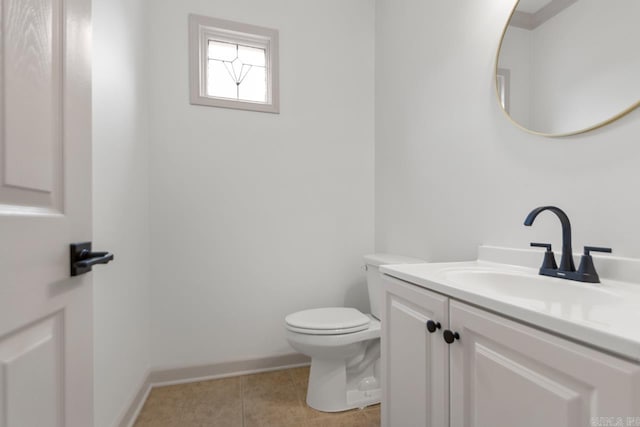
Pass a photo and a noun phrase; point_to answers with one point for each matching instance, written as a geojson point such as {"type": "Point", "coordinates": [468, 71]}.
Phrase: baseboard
{"type": "Point", "coordinates": [131, 413]}
{"type": "Point", "coordinates": [189, 374]}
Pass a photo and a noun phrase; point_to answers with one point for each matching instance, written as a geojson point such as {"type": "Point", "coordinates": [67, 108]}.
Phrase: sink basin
{"type": "Point", "coordinates": [524, 287]}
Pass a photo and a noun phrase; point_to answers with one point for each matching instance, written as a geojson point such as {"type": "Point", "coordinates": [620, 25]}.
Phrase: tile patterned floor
{"type": "Point", "coordinates": [271, 399]}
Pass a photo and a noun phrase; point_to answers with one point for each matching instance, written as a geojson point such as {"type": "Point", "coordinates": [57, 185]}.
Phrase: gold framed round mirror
{"type": "Point", "coordinates": [566, 67]}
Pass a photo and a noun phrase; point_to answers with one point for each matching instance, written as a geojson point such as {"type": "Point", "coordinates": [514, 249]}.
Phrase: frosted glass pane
{"type": "Point", "coordinates": [219, 82]}
{"type": "Point", "coordinates": [254, 86]}
{"type": "Point", "coordinates": [222, 51]}
{"type": "Point", "coordinates": [252, 55]}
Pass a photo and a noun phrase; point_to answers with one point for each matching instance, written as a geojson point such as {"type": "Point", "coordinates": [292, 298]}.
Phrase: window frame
{"type": "Point", "coordinates": [202, 29]}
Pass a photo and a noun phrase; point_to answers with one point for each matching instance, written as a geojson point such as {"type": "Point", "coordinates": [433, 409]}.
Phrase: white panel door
{"type": "Point", "coordinates": [415, 362]}
{"type": "Point", "coordinates": [505, 374]}
{"type": "Point", "coordinates": [45, 204]}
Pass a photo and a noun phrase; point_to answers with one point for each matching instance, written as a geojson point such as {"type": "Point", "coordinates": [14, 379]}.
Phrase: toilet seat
{"type": "Point", "coordinates": [328, 321]}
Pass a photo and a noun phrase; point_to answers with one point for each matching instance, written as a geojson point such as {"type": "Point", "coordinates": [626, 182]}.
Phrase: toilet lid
{"type": "Point", "coordinates": [333, 320]}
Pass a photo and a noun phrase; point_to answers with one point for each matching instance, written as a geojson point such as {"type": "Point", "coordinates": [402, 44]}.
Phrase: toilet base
{"type": "Point", "coordinates": [363, 398]}
{"type": "Point", "coordinates": [331, 390]}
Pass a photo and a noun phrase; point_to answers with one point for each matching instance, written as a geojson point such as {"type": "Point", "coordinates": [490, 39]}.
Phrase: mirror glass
{"type": "Point", "coordinates": [569, 66]}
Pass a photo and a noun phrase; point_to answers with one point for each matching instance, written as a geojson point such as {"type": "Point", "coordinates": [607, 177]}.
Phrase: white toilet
{"type": "Point", "coordinates": [344, 346]}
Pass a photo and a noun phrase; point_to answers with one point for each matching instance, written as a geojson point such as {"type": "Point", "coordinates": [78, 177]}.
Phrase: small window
{"type": "Point", "coordinates": [233, 65]}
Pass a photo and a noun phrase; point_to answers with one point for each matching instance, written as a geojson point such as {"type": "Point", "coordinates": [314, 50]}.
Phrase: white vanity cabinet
{"type": "Point", "coordinates": [499, 373]}
{"type": "Point", "coordinates": [415, 371]}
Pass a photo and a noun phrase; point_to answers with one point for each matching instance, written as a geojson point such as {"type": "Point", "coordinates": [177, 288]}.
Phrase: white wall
{"type": "Point", "coordinates": [452, 172]}
{"type": "Point", "coordinates": [121, 205]}
{"type": "Point", "coordinates": [257, 215]}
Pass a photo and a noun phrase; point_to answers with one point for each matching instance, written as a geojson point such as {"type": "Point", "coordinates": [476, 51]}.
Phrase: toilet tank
{"type": "Point", "coordinates": [375, 278]}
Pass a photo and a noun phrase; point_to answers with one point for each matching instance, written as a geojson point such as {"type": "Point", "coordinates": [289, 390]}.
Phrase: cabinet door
{"type": "Point", "coordinates": [505, 374]}
{"type": "Point", "coordinates": [415, 362]}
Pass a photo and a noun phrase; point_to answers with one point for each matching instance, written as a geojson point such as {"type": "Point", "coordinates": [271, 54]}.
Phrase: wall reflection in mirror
{"type": "Point", "coordinates": [568, 66]}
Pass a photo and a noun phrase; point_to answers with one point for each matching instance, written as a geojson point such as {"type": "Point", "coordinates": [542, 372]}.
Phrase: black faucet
{"type": "Point", "coordinates": [566, 262]}
{"type": "Point", "coordinates": [567, 270]}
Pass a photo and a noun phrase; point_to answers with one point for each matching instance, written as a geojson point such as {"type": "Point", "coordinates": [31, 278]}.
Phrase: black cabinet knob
{"type": "Point", "coordinates": [450, 336]}
{"type": "Point", "coordinates": [433, 326]}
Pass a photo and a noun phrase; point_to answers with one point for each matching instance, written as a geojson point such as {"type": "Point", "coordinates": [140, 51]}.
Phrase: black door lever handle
{"type": "Point", "coordinates": [82, 259]}
{"type": "Point", "coordinates": [92, 258]}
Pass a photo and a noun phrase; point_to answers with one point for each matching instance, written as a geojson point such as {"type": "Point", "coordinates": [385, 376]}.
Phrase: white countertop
{"type": "Point", "coordinates": [604, 315]}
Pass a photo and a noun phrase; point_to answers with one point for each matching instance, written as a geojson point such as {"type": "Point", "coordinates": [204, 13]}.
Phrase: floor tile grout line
{"type": "Point", "coordinates": [299, 398]}
{"type": "Point", "coordinates": [242, 399]}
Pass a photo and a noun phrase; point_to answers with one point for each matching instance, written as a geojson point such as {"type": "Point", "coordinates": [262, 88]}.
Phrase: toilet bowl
{"type": "Point", "coordinates": [344, 346]}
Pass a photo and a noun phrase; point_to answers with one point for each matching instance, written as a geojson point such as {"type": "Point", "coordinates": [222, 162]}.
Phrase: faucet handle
{"type": "Point", "coordinates": [588, 249]}
{"type": "Point", "coordinates": [587, 269]}
{"type": "Point", "coordinates": [549, 262]}
{"type": "Point", "coordinates": [541, 245]}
